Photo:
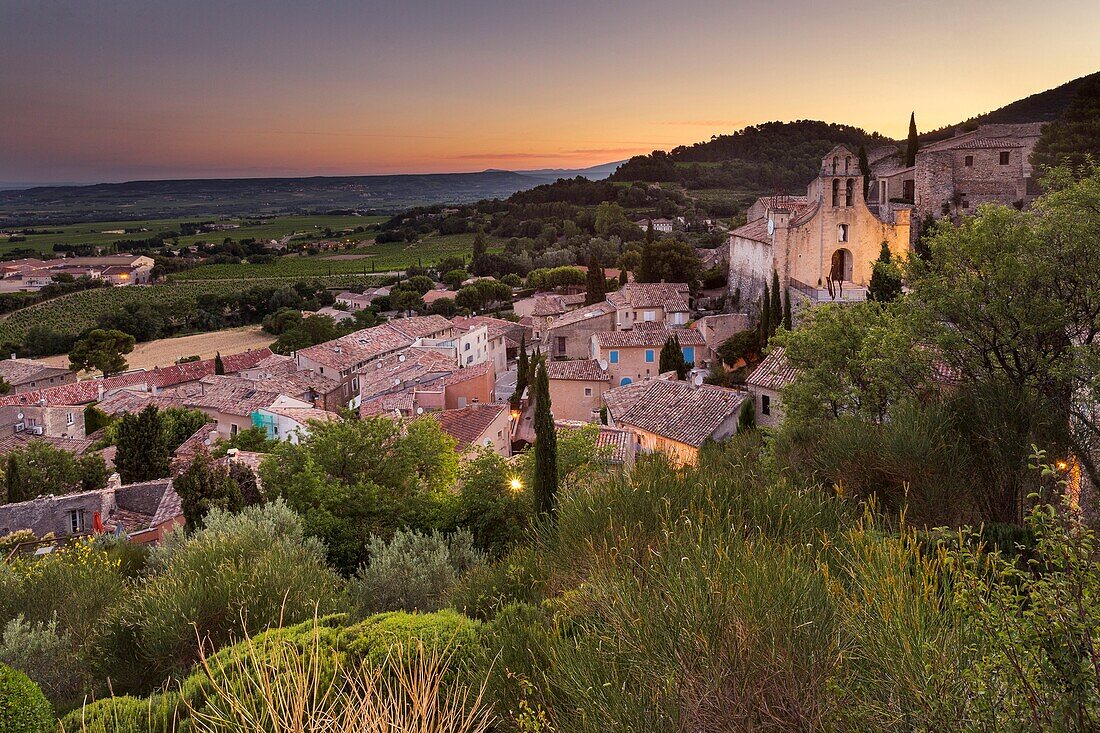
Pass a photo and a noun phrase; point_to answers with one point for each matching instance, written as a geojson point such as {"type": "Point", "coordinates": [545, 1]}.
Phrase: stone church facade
{"type": "Point", "coordinates": [823, 244]}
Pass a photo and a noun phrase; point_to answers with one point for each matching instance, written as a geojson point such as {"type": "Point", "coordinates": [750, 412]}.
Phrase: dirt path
{"type": "Point", "coordinates": [165, 352]}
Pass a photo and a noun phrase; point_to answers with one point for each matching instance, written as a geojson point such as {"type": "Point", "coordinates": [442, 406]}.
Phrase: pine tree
{"type": "Point", "coordinates": [864, 170]}
{"type": "Point", "coordinates": [776, 305]}
{"type": "Point", "coordinates": [911, 144]}
{"type": "Point", "coordinates": [765, 317]}
{"type": "Point", "coordinates": [219, 365]}
{"type": "Point", "coordinates": [204, 486]}
{"type": "Point", "coordinates": [672, 358]}
{"type": "Point", "coordinates": [522, 369]}
{"type": "Point", "coordinates": [596, 282]}
{"type": "Point", "coordinates": [142, 449]}
{"type": "Point", "coordinates": [546, 447]}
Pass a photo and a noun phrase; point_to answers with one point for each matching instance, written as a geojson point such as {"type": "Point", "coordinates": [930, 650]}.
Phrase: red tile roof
{"type": "Point", "coordinates": [672, 297]}
{"type": "Point", "coordinates": [774, 373]}
{"type": "Point", "coordinates": [675, 410]}
{"type": "Point", "coordinates": [649, 335]}
{"type": "Point", "coordinates": [467, 425]}
{"type": "Point", "coordinates": [584, 370]}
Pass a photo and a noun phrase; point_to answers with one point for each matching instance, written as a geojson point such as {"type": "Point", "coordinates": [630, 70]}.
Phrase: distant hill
{"type": "Point", "coordinates": [253, 196]}
{"type": "Point", "coordinates": [66, 204]}
{"type": "Point", "coordinates": [774, 156]}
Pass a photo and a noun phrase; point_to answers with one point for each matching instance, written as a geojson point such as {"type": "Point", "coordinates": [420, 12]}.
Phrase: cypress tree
{"type": "Point", "coordinates": [622, 277]}
{"type": "Point", "coordinates": [142, 453]}
{"type": "Point", "coordinates": [864, 169]}
{"type": "Point", "coordinates": [911, 144]}
{"type": "Point", "coordinates": [14, 481]}
{"type": "Point", "coordinates": [219, 365]}
{"type": "Point", "coordinates": [765, 317]}
{"type": "Point", "coordinates": [480, 245]}
{"type": "Point", "coordinates": [746, 418]}
{"type": "Point", "coordinates": [787, 311]}
{"type": "Point", "coordinates": [546, 447]}
{"type": "Point", "coordinates": [596, 283]}
{"type": "Point", "coordinates": [672, 358]}
{"type": "Point", "coordinates": [522, 368]}
{"type": "Point", "coordinates": [777, 303]}
{"type": "Point", "coordinates": [885, 284]}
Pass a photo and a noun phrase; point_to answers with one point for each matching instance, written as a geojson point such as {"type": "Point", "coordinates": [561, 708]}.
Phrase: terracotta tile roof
{"type": "Point", "coordinates": [584, 370]}
{"type": "Point", "coordinates": [675, 410]}
{"type": "Point", "coordinates": [303, 415]}
{"type": "Point", "coordinates": [21, 371]}
{"type": "Point", "coordinates": [19, 441]}
{"type": "Point", "coordinates": [552, 304]}
{"type": "Point", "coordinates": [583, 314]}
{"type": "Point", "coordinates": [470, 372]}
{"type": "Point", "coordinates": [617, 442]}
{"type": "Point", "coordinates": [649, 335]}
{"type": "Point", "coordinates": [774, 373]}
{"type": "Point", "coordinates": [226, 395]}
{"type": "Point", "coordinates": [494, 326]}
{"type": "Point", "coordinates": [411, 366]}
{"type": "Point", "coordinates": [421, 326]}
{"type": "Point", "coordinates": [467, 425]}
{"type": "Point", "coordinates": [670, 296]}
{"type": "Point", "coordinates": [355, 349]}
{"type": "Point", "coordinates": [127, 400]}
{"type": "Point", "coordinates": [433, 295]}
{"type": "Point", "coordinates": [404, 402]}
{"type": "Point", "coordinates": [757, 231]}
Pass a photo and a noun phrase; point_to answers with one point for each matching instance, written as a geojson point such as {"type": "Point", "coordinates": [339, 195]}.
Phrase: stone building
{"type": "Point", "coordinates": [822, 244]}
{"type": "Point", "coordinates": [988, 164]}
{"type": "Point", "coordinates": [577, 388]}
{"type": "Point", "coordinates": [766, 384]}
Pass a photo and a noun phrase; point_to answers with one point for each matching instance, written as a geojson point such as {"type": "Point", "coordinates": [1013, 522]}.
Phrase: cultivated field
{"type": "Point", "coordinates": [72, 314]}
{"type": "Point", "coordinates": [371, 258]}
{"type": "Point", "coordinates": [272, 228]}
{"type": "Point", "coordinates": [165, 352]}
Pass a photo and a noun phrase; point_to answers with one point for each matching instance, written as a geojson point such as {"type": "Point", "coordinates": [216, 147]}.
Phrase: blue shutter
{"type": "Point", "coordinates": [689, 354]}
{"type": "Point", "coordinates": [649, 356]}
{"type": "Point", "coordinates": [614, 357]}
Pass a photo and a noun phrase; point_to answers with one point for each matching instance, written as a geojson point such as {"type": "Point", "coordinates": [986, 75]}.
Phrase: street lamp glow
{"type": "Point", "coordinates": [516, 484]}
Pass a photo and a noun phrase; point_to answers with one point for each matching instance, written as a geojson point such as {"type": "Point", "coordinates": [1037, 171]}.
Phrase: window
{"type": "Point", "coordinates": [614, 357]}
{"type": "Point", "coordinates": [649, 316]}
{"type": "Point", "coordinates": [1004, 157]}
{"type": "Point", "coordinates": [834, 164]}
{"type": "Point", "coordinates": [849, 191]}
{"type": "Point", "coordinates": [355, 384]}
{"type": "Point", "coordinates": [689, 354]}
{"type": "Point", "coordinates": [469, 360]}
{"type": "Point", "coordinates": [836, 191]}
{"type": "Point", "coordinates": [69, 418]}
{"type": "Point", "coordinates": [625, 381]}
{"type": "Point", "coordinates": [968, 161]}
{"type": "Point", "coordinates": [842, 232]}
{"type": "Point", "coordinates": [847, 162]}
{"type": "Point", "coordinates": [561, 344]}
{"type": "Point", "coordinates": [233, 429]}
{"type": "Point", "coordinates": [76, 521]}
{"type": "Point", "coordinates": [587, 391]}
{"type": "Point", "coordinates": [649, 356]}
{"type": "Point", "coordinates": [765, 405]}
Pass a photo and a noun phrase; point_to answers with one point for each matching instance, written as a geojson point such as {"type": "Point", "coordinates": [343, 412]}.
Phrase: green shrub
{"type": "Point", "coordinates": [44, 653]}
{"type": "Point", "coordinates": [23, 707]}
{"type": "Point", "coordinates": [485, 590]}
{"type": "Point", "coordinates": [374, 640]}
{"type": "Point", "coordinates": [412, 572]}
{"type": "Point", "coordinates": [254, 568]}
{"type": "Point", "coordinates": [124, 714]}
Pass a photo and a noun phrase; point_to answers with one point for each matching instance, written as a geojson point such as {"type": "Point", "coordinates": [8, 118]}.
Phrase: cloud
{"type": "Point", "coordinates": [557, 154]}
{"type": "Point", "coordinates": [737, 124]}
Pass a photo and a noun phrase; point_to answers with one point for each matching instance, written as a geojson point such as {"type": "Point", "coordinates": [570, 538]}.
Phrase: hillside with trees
{"type": "Point", "coordinates": [768, 157]}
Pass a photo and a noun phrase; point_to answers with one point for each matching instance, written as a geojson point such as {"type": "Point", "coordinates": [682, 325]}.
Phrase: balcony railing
{"type": "Point", "coordinates": [842, 292]}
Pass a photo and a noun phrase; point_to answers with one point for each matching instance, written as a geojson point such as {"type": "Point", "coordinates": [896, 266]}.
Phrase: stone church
{"type": "Point", "coordinates": [822, 244]}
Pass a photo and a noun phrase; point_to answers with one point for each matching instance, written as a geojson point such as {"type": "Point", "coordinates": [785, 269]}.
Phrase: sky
{"type": "Point", "coordinates": [112, 90]}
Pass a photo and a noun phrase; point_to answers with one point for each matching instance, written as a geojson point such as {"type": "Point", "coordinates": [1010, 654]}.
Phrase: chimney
{"type": "Point", "coordinates": [13, 356]}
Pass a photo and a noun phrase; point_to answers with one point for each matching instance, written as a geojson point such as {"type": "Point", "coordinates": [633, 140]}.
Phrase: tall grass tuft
{"type": "Point", "coordinates": [272, 685]}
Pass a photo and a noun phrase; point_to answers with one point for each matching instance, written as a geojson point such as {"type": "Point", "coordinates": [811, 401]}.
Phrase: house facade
{"type": "Point", "coordinates": [635, 355]}
{"type": "Point", "coordinates": [577, 388]}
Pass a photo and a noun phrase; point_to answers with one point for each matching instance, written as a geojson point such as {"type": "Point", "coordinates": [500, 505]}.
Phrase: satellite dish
{"type": "Point", "coordinates": [420, 411]}
{"type": "Point", "coordinates": [697, 380]}
{"type": "Point", "coordinates": [19, 416]}
{"type": "Point", "coordinates": [603, 364]}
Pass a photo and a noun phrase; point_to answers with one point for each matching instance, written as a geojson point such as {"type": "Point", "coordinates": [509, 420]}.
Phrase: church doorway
{"type": "Point", "coordinates": [841, 267]}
